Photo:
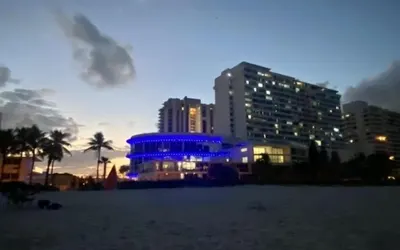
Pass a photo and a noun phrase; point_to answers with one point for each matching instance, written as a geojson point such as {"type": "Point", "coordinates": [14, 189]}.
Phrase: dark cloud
{"type": "Point", "coordinates": [104, 124]}
{"type": "Point", "coordinates": [105, 62]}
{"type": "Point", "coordinates": [5, 77]}
{"type": "Point", "coordinates": [381, 90]}
{"type": "Point", "coordinates": [25, 107]}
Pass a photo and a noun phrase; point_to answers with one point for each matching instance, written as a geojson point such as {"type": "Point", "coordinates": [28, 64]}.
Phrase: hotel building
{"type": "Point", "coordinates": [186, 115]}
{"type": "Point", "coordinates": [258, 105]}
{"type": "Point", "coordinates": [370, 129]}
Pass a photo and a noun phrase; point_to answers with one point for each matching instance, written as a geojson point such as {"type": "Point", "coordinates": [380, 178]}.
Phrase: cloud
{"type": "Point", "coordinates": [105, 63]}
{"type": "Point", "coordinates": [5, 77]}
{"type": "Point", "coordinates": [25, 107]}
{"type": "Point", "coordinates": [381, 90]}
{"type": "Point", "coordinates": [104, 124]}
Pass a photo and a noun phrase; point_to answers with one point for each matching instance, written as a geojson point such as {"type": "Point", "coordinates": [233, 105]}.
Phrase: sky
{"type": "Point", "coordinates": [87, 66]}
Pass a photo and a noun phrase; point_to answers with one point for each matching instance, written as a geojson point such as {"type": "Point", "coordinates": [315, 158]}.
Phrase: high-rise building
{"type": "Point", "coordinates": [370, 129]}
{"type": "Point", "coordinates": [256, 104]}
{"type": "Point", "coordinates": [186, 115]}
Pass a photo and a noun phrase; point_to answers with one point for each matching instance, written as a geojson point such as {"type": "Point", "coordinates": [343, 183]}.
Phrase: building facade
{"type": "Point", "coordinates": [186, 115]}
{"type": "Point", "coordinates": [370, 129]}
{"type": "Point", "coordinates": [166, 156]}
{"type": "Point", "coordinates": [16, 169]}
{"type": "Point", "coordinates": [255, 104]}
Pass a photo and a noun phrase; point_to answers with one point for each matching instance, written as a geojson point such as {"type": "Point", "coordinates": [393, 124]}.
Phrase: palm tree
{"type": "Point", "coordinates": [54, 148]}
{"type": "Point", "coordinates": [7, 146]}
{"type": "Point", "coordinates": [96, 144]}
{"type": "Point", "coordinates": [35, 141]}
{"type": "Point", "coordinates": [105, 161]}
{"type": "Point", "coordinates": [21, 135]}
{"type": "Point", "coordinates": [124, 169]}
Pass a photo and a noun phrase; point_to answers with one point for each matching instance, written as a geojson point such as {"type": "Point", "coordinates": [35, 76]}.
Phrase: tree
{"type": "Point", "coordinates": [21, 136]}
{"type": "Point", "coordinates": [323, 157]}
{"type": "Point", "coordinates": [96, 144]}
{"type": "Point", "coordinates": [378, 167]}
{"type": "Point", "coordinates": [313, 157]}
{"type": "Point", "coordinates": [105, 161]}
{"type": "Point", "coordinates": [262, 167]}
{"type": "Point", "coordinates": [335, 159]}
{"type": "Point", "coordinates": [7, 146]}
{"type": "Point", "coordinates": [35, 140]}
{"type": "Point", "coordinates": [124, 169]}
{"type": "Point", "coordinates": [54, 148]}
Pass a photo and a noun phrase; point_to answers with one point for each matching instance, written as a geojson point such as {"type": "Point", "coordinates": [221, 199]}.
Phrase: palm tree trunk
{"type": "Point", "coordinates": [46, 179]}
{"type": "Point", "coordinates": [98, 165]}
{"type": "Point", "coordinates": [104, 171]}
{"type": "Point", "coordinates": [20, 164]}
{"type": "Point", "coordinates": [3, 164]}
{"type": "Point", "coordinates": [52, 176]}
{"type": "Point", "coordinates": [32, 166]}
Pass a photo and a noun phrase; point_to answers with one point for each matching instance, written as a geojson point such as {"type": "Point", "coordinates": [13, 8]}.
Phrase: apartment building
{"type": "Point", "coordinates": [186, 115]}
{"type": "Point", "coordinates": [255, 104]}
{"type": "Point", "coordinates": [370, 129]}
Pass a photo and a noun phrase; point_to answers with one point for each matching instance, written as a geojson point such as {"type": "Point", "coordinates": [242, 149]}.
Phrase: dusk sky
{"type": "Point", "coordinates": [178, 47]}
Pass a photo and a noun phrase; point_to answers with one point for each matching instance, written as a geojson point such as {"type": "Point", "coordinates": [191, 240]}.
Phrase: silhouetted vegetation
{"type": "Point", "coordinates": [322, 169]}
{"type": "Point", "coordinates": [34, 143]}
{"type": "Point", "coordinates": [96, 144]}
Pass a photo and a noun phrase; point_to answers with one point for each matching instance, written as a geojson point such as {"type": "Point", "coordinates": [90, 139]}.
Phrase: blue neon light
{"type": "Point", "coordinates": [169, 154]}
{"type": "Point", "coordinates": [174, 138]}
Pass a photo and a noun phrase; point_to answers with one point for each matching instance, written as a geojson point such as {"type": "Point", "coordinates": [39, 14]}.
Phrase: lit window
{"type": "Point", "coordinates": [297, 90]}
{"type": "Point", "coordinates": [183, 108]}
{"type": "Point", "coordinates": [347, 115]}
{"type": "Point", "coordinates": [336, 129]}
{"type": "Point", "coordinates": [319, 113]}
{"type": "Point", "coordinates": [265, 136]}
{"type": "Point", "coordinates": [243, 150]}
{"type": "Point", "coordinates": [381, 138]}
{"type": "Point", "coordinates": [255, 89]}
{"type": "Point", "coordinates": [276, 125]}
{"type": "Point", "coordinates": [247, 105]}
{"type": "Point", "coordinates": [229, 74]}
{"type": "Point", "coordinates": [273, 82]}
{"type": "Point", "coordinates": [312, 137]}
{"type": "Point", "coordinates": [318, 142]}
{"type": "Point", "coordinates": [249, 116]}
{"type": "Point", "coordinates": [230, 92]}
{"type": "Point", "coordinates": [268, 92]}
{"type": "Point", "coordinates": [260, 85]}
{"type": "Point", "coordinates": [391, 158]}
{"type": "Point", "coordinates": [299, 83]}
{"type": "Point", "coordinates": [330, 111]}
{"type": "Point", "coordinates": [296, 134]}
{"type": "Point", "coordinates": [277, 132]}
{"type": "Point", "coordinates": [247, 82]}
{"type": "Point", "coordinates": [351, 141]}
{"type": "Point", "coordinates": [337, 107]}
{"type": "Point", "coordinates": [301, 124]}
{"type": "Point", "coordinates": [289, 123]}
{"type": "Point", "coordinates": [245, 159]}
{"type": "Point", "coordinates": [269, 98]}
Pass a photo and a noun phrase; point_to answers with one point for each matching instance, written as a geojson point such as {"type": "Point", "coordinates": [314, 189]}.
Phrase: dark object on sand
{"type": "Point", "coordinates": [54, 206]}
{"type": "Point", "coordinates": [19, 196]}
{"type": "Point", "coordinates": [42, 204]}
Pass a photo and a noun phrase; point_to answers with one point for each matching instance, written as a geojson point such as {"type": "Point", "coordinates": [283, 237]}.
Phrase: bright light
{"type": "Point", "coordinates": [336, 129]}
{"type": "Point", "coordinates": [318, 142]}
{"type": "Point", "coordinates": [268, 92]}
{"type": "Point", "coordinates": [260, 85]}
{"type": "Point", "coordinates": [381, 138]}
{"type": "Point", "coordinates": [351, 141]}
{"type": "Point", "coordinates": [391, 158]}
{"type": "Point", "coordinates": [243, 150]}
{"type": "Point", "coordinates": [229, 74]}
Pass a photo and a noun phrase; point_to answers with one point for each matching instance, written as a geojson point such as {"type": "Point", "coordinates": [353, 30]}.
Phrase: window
{"type": "Point", "coordinates": [268, 92]}
{"type": "Point", "coordinates": [269, 98]}
{"type": "Point", "coordinates": [249, 116]}
{"type": "Point", "coordinates": [245, 159]}
{"type": "Point", "coordinates": [260, 85]}
{"type": "Point", "coordinates": [255, 89]}
{"type": "Point", "coordinates": [243, 150]}
{"type": "Point", "coordinates": [336, 129]}
{"type": "Point", "coordinates": [247, 82]}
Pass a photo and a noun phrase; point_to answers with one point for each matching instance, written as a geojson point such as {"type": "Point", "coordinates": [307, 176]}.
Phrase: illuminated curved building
{"type": "Point", "coordinates": [161, 156]}
{"type": "Point", "coordinates": [171, 154]}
